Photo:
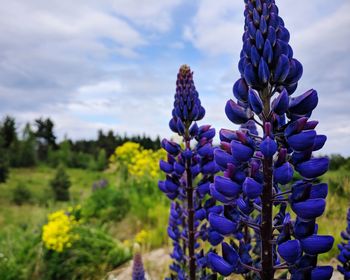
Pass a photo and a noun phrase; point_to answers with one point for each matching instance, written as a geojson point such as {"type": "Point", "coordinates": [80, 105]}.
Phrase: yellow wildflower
{"type": "Point", "coordinates": [139, 162]}
{"type": "Point", "coordinates": [57, 233]}
{"type": "Point", "coordinates": [141, 237]}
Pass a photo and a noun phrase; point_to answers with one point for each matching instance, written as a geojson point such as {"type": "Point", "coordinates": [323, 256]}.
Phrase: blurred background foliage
{"type": "Point", "coordinates": [104, 194]}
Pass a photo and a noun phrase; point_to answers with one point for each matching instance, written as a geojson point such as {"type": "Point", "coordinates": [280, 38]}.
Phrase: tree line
{"type": "Point", "coordinates": [38, 144]}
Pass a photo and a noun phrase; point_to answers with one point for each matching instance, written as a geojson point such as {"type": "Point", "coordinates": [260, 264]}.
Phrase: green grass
{"type": "Point", "coordinates": [37, 180]}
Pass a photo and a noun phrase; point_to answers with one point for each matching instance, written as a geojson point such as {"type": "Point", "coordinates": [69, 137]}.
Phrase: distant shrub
{"type": "Point", "coordinates": [106, 204]}
{"type": "Point", "coordinates": [100, 163]}
{"type": "Point", "coordinates": [60, 185]}
{"type": "Point", "coordinates": [21, 194]}
{"type": "Point", "coordinates": [81, 160]}
{"type": "Point", "coordinates": [336, 161]}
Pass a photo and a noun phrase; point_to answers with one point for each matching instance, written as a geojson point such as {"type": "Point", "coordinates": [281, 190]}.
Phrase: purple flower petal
{"type": "Point", "coordinates": [203, 189]}
{"type": "Point", "coordinates": [319, 191]}
{"type": "Point", "coordinates": [250, 75]}
{"type": "Point", "coordinates": [317, 244]}
{"type": "Point", "coordinates": [309, 209]}
{"type": "Point", "coordinates": [290, 251]}
{"type": "Point", "coordinates": [222, 158]}
{"type": "Point", "coordinates": [263, 71]}
{"type": "Point", "coordinates": [268, 147]}
{"type": "Point", "coordinates": [219, 265]}
{"type": "Point", "coordinates": [313, 168]}
{"type": "Point", "coordinates": [236, 113]}
{"type": "Point", "coordinates": [302, 141]}
{"type": "Point", "coordinates": [171, 147]}
{"type": "Point", "coordinates": [240, 151]}
{"type": "Point", "coordinates": [295, 71]}
{"type": "Point", "coordinates": [230, 254]}
{"type": "Point", "coordinates": [282, 69]}
{"type": "Point", "coordinates": [322, 272]}
{"type": "Point", "coordinates": [283, 174]}
{"type": "Point", "coordinates": [303, 228]}
{"type": "Point", "coordinates": [214, 238]}
{"type": "Point", "coordinates": [304, 103]}
{"type": "Point", "coordinates": [251, 188]}
{"type": "Point", "coordinates": [165, 166]}
{"type": "Point", "coordinates": [268, 52]}
{"type": "Point", "coordinates": [219, 196]}
{"type": "Point", "coordinates": [280, 104]}
{"type": "Point", "coordinates": [170, 186]}
{"type": "Point", "coordinates": [320, 140]}
{"type": "Point", "coordinates": [240, 90]}
{"type": "Point", "coordinates": [255, 101]}
{"type": "Point", "coordinates": [221, 224]}
{"type": "Point", "coordinates": [226, 186]}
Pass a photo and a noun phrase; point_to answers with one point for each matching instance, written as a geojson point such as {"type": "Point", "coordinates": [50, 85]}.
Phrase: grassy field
{"type": "Point", "coordinates": [148, 209]}
{"type": "Point", "coordinates": [144, 217]}
{"type": "Point", "coordinates": [38, 182]}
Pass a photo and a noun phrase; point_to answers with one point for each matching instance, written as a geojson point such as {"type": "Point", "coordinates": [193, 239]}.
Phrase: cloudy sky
{"type": "Point", "coordinates": [91, 64]}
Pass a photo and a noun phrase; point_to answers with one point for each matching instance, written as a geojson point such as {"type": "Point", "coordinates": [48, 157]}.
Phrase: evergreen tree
{"type": "Point", "coordinates": [45, 136]}
{"type": "Point", "coordinates": [8, 132]}
{"type": "Point", "coordinates": [60, 185]}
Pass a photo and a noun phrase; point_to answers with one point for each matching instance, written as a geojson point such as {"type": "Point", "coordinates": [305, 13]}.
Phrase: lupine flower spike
{"type": "Point", "coordinates": [344, 247]}
{"type": "Point", "coordinates": [258, 170]}
{"type": "Point", "coordinates": [138, 272]}
{"type": "Point", "coordinates": [181, 168]}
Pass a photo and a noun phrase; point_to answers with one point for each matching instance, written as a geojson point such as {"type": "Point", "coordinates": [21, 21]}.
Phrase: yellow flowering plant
{"type": "Point", "coordinates": [58, 232]}
{"type": "Point", "coordinates": [124, 153]}
{"type": "Point", "coordinates": [145, 164]}
{"type": "Point", "coordinates": [139, 162]}
{"type": "Point", "coordinates": [141, 237]}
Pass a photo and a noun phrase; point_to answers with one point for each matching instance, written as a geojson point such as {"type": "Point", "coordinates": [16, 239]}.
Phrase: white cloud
{"type": "Point", "coordinates": [68, 60]}
{"type": "Point", "coordinates": [217, 27]}
{"type": "Point", "coordinates": [150, 14]}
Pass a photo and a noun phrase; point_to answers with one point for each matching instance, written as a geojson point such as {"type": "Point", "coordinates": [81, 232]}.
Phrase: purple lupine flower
{"type": "Point", "coordinates": [100, 184]}
{"type": "Point", "coordinates": [183, 166]}
{"type": "Point", "coordinates": [138, 272]}
{"type": "Point", "coordinates": [258, 171]}
{"type": "Point", "coordinates": [344, 248]}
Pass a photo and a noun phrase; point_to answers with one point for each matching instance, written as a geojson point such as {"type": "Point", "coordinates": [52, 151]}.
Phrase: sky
{"type": "Point", "coordinates": [91, 64]}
